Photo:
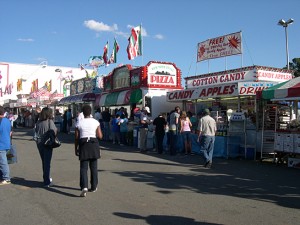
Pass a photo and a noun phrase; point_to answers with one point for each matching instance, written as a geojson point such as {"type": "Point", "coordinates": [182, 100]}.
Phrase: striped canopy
{"type": "Point", "coordinates": [288, 90]}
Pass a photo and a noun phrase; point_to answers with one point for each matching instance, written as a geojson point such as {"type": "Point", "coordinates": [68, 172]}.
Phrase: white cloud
{"type": "Point", "coordinates": [25, 39]}
{"type": "Point", "coordinates": [159, 36]}
{"type": "Point", "coordinates": [100, 26]}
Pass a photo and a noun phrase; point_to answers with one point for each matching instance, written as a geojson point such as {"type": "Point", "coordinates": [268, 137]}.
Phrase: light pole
{"type": "Point", "coordinates": [59, 71]}
{"type": "Point", "coordinates": [285, 24]}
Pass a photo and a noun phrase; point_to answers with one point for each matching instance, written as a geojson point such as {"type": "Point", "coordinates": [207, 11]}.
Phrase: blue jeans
{"type": "Point", "coordinates": [84, 164]}
{"type": "Point", "coordinates": [46, 156]}
{"type": "Point", "coordinates": [207, 146]}
{"type": "Point", "coordinates": [4, 168]}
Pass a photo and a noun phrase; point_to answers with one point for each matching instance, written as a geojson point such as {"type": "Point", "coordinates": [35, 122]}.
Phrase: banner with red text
{"type": "Point", "coordinates": [226, 90]}
{"type": "Point", "coordinates": [230, 44]}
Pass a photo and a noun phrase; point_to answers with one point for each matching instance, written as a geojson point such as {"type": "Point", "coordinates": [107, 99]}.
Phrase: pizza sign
{"type": "Point", "coordinates": [162, 74]}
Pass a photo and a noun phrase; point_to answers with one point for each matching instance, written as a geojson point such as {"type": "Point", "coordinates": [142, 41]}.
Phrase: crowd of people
{"type": "Point", "coordinates": [168, 129]}
{"type": "Point", "coordinates": [89, 129]}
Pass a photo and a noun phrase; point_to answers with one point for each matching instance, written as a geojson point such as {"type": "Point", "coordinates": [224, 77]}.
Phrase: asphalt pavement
{"type": "Point", "coordinates": [137, 188]}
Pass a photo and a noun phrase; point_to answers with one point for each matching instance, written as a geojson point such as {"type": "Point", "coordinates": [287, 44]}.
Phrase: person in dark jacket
{"type": "Point", "coordinates": [45, 123]}
{"type": "Point", "coordinates": [160, 124]}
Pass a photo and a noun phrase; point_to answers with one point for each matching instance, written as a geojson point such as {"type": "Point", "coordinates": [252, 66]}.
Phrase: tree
{"type": "Point", "coordinates": [295, 65]}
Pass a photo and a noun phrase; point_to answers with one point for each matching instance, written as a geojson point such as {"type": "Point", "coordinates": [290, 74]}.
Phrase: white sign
{"type": "Point", "coordinates": [250, 88]}
{"type": "Point", "coordinates": [221, 78]}
{"type": "Point", "coordinates": [226, 45]}
{"type": "Point", "coordinates": [273, 76]}
{"type": "Point", "coordinates": [247, 74]}
{"type": "Point", "coordinates": [162, 74]}
{"type": "Point", "coordinates": [204, 92]}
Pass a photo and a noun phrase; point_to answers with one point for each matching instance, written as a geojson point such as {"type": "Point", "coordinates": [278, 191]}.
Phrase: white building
{"type": "Point", "coordinates": [18, 81]}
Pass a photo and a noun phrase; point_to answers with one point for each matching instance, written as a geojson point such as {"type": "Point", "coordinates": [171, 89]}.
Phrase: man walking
{"type": "Point", "coordinates": [207, 129]}
{"type": "Point", "coordinates": [5, 142]}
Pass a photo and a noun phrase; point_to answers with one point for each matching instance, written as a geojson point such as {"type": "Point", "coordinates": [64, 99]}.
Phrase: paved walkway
{"type": "Point", "coordinates": [153, 189]}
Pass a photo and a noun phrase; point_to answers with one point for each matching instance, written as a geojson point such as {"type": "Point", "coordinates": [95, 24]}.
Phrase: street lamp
{"type": "Point", "coordinates": [42, 65]}
{"type": "Point", "coordinates": [285, 24]}
{"type": "Point", "coordinates": [58, 70]}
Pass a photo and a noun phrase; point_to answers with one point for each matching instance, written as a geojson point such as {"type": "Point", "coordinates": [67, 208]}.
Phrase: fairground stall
{"type": "Point", "coordinates": [133, 87]}
{"type": "Point", "coordinates": [279, 120]}
{"type": "Point", "coordinates": [82, 91]}
{"type": "Point", "coordinates": [231, 96]}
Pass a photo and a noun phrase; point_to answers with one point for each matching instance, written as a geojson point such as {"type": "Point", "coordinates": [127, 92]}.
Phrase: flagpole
{"type": "Point", "coordinates": [142, 46]}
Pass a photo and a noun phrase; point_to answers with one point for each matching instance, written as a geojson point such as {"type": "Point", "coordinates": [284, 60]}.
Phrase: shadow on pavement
{"type": "Point", "coordinates": [163, 219]}
{"type": "Point", "coordinates": [37, 184]}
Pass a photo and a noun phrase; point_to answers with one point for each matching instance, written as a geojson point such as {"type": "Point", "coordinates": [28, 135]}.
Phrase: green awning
{"type": "Point", "coordinates": [136, 96]}
{"type": "Point", "coordinates": [111, 99]}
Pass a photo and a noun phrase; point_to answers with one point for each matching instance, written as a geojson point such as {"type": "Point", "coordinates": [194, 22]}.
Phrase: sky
{"type": "Point", "coordinates": [67, 32]}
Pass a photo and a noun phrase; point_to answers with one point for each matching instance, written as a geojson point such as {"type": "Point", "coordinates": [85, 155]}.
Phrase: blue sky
{"type": "Point", "coordinates": [67, 33]}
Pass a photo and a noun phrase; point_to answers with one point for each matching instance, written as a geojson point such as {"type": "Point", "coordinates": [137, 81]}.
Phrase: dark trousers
{"type": "Point", "coordinates": [159, 142]}
{"type": "Point", "coordinates": [84, 164]}
{"type": "Point", "coordinates": [123, 136]}
{"type": "Point", "coordinates": [173, 142]}
{"type": "Point", "coordinates": [46, 156]}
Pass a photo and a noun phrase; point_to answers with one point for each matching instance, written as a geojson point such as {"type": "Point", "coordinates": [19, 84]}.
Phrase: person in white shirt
{"type": "Point", "coordinates": [87, 148]}
{"type": "Point", "coordinates": [207, 130]}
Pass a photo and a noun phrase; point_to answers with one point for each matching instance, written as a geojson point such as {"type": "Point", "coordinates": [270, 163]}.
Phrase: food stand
{"type": "Point", "coordinates": [84, 90]}
{"type": "Point", "coordinates": [133, 87]}
{"type": "Point", "coordinates": [227, 93]}
{"type": "Point", "coordinates": [281, 111]}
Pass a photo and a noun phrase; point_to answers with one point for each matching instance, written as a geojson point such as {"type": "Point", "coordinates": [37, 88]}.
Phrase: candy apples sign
{"type": "Point", "coordinates": [203, 93]}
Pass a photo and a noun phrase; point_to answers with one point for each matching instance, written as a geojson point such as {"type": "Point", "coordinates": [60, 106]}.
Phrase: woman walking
{"type": "Point", "coordinates": [45, 123]}
{"type": "Point", "coordinates": [88, 150]}
{"type": "Point", "coordinates": [186, 132]}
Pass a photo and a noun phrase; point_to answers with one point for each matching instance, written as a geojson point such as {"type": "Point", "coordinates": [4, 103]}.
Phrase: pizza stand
{"type": "Point", "coordinates": [284, 99]}
{"type": "Point", "coordinates": [134, 87]}
{"type": "Point", "coordinates": [231, 96]}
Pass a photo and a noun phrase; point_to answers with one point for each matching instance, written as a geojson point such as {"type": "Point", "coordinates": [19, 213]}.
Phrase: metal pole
{"type": "Point", "coordinates": [287, 47]}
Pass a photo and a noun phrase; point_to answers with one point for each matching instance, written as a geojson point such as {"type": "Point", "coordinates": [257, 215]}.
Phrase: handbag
{"type": "Point", "coordinates": [11, 155]}
{"type": "Point", "coordinates": [49, 139]}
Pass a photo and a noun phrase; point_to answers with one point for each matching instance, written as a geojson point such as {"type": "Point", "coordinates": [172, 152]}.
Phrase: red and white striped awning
{"type": "Point", "coordinates": [288, 90]}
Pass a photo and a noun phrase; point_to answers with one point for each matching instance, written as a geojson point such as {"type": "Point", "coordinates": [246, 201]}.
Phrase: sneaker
{"type": "Point", "coordinates": [206, 164]}
{"type": "Point", "coordinates": [93, 190]}
{"type": "Point", "coordinates": [83, 192]}
{"type": "Point", "coordinates": [3, 182]}
{"type": "Point", "coordinates": [49, 185]}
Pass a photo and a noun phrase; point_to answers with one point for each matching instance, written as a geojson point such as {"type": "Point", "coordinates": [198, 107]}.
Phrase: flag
{"type": "Point", "coordinates": [105, 54]}
{"type": "Point", "coordinates": [41, 91]}
{"type": "Point", "coordinates": [134, 47]}
{"type": "Point", "coordinates": [113, 56]}
{"type": "Point", "coordinates": [86, 72]}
